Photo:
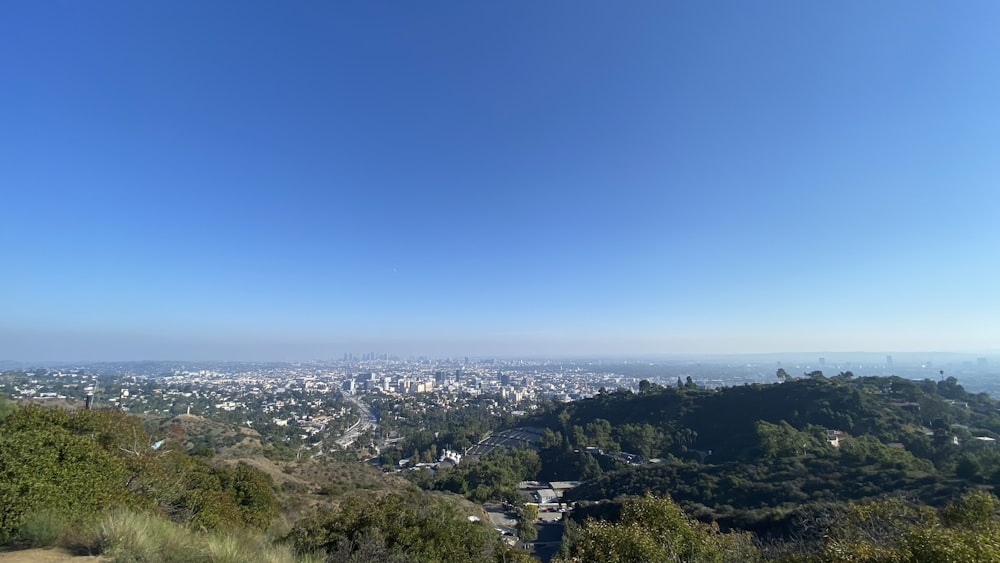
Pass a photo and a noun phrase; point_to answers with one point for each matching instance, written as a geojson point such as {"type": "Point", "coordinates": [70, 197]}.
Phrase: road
{"type": "Point", "coordinates": [549, 527]}
{"type": "Point", "coordinates": [366, 421]}
{"type": "Point", "coordinates": [549, 539]}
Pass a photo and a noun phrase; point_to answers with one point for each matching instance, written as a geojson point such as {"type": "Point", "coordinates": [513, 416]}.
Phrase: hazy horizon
{"type": "Point", "coordinates": [257, 181]}
{"type": "Point", "coordinates": [279, 353]}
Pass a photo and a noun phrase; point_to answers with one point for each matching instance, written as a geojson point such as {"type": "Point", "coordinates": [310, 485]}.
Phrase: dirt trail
{"type": "Point", "coordinates": [43, 556]}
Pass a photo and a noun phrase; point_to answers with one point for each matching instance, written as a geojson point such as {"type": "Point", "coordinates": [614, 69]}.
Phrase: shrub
{"type": "Point", "coordinates": [42, 529]}
{"type": "Point", "coordinates": [657, 530]}
{"type": "Point", "coordinates": [46, 468]}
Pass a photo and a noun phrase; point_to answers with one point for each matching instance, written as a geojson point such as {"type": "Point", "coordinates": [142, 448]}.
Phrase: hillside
{"type": "Point", "coordinates": [679, 421]}
{"type": "Point", "coordinates": [96, 483]}
{"type": "Point", "coordinates": [759, 457]}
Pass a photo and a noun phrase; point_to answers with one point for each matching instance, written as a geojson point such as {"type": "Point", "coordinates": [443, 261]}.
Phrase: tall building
{"type": "Point", "coordinates": [888, 362]}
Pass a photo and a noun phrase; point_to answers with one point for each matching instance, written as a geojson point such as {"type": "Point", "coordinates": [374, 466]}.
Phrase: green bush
{"type": "Point", "coordinates": [46, 468]}
{"type": "Point", "coordinates": [652, 529]}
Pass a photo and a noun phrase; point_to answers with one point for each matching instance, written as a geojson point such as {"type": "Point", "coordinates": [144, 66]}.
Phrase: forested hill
{"type": "Point", "coordinates": [768, 457]}
{"type": "Point", "coordinates": [687, 422]}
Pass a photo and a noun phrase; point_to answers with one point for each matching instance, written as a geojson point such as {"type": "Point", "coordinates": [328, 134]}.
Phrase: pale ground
{"type": "Point", "coordinates": [43, 556]}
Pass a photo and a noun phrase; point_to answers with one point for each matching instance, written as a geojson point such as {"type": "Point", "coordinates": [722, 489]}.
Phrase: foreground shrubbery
{"type": "Point", "coordinates": [893, 531]}
{"type": "Point", "coordinates": [78, 464]}
{"type": "Point", "coordinates": [414, 527]}
{"type": "Point", "coordinates": [139, 537]}
{"type": "Point", "coordinates": [93, 482]}
{"type": "Point", "coordinates": [125, 536]}
{"type": "Point", "coordinates": [654, 530]}
{"type": "Point", "coordinates": [421, 528]}
{"type": "Point", "coordinates": [46, 466]}
{"type": "Point", "coordinates": [889, 530]}
{"type": "Point", "coordinates": [401, 528]}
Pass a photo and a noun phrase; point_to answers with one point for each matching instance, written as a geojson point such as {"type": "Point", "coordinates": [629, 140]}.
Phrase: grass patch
{"type": "Point", "coordinates": [239, 547]}
{"type": "Point", "coordinates": [130, 537]}
{"type": "Point", "coordinates": [42, 529]}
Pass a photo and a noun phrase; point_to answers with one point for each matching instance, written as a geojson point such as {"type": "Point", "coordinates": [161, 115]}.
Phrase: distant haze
{"type": "Point", "coordinates": [131, 347]}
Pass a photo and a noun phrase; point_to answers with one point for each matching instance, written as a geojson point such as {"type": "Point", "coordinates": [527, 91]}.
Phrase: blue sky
{"type": "Point", "coordinates": [253, 180]}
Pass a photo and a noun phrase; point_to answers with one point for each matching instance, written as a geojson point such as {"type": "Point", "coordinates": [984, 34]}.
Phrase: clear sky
{"type": "Point", "coordinates": [293, 180]}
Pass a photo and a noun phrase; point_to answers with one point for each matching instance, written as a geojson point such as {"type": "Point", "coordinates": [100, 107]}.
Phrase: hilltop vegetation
{"type": "Point", "coordinates": [836, 424]}
{"type": "Point", "coordinates": [682, 421]}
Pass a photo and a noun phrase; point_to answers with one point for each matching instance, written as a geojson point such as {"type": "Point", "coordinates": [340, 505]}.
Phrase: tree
{"type": "Point", "coordinates": [452, 482]}
{"type": "Point", "coordinates": [564, 420]}
{"type": "Point", "coordinates": [968, 467]}
{"type": "Point", "coordinates": [6, 408]}
{"type": "Point", "coordinates": [598, 433]}
{"type": "Point", "coordinates": [526, 531]}
{"type": "Point", "coordinates": [642, 439]}
{"type": "Point", "coordinates": [782, 440]}
{"type": "Point", "coordinates": [550, 439]}
{"type": "Point", "coordinates": [646, 387]}
{"type": "Point", "coordinates": [253, 491]}
{"type": "Point", "coordinates": [782, 375]}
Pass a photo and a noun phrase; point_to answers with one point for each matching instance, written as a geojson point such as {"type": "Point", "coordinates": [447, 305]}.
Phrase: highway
{"type": "Point", "coordinates": [366, 421]}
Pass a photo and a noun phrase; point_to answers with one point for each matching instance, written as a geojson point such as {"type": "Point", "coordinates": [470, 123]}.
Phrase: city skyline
{"type": "Point", "coordinates": [259, 182]}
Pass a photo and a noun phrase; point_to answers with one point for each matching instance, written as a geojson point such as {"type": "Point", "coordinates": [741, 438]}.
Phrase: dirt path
{"type": "Point", "coordinates": [43, 556]}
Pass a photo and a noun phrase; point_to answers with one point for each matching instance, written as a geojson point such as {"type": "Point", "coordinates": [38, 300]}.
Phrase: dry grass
{"type": "Point", "coordinates": [129, 537]}
{"type": "Point", "coordinates": [42, 529]}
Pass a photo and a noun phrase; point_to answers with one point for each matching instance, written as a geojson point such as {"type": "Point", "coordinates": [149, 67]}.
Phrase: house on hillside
{"type": "Point", "coordinates": [833, 437]}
